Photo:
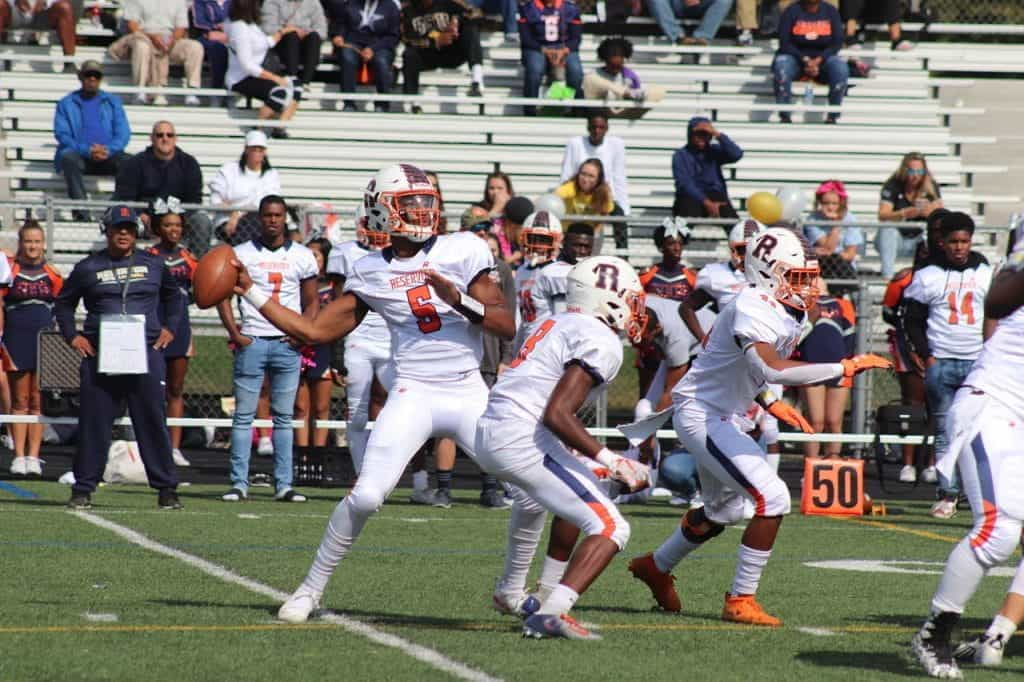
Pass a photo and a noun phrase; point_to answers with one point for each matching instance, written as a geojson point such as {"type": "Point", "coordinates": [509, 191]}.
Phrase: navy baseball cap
{"type": "Point", "coordinates": [119, 215]}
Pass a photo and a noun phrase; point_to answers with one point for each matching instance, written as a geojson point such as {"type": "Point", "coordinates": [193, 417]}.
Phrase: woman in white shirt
{"type": "Point", "coordinates": [249, 71]}
{"type": "Point", "coordinates": [240, 185]}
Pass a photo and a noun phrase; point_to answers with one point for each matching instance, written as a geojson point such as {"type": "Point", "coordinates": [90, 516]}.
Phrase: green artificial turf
{"type": "Point", "coordinates": [426, 575]}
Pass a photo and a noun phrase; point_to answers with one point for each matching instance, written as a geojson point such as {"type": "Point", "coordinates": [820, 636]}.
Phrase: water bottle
{"type": "Point", "coordinates": [808, 95]}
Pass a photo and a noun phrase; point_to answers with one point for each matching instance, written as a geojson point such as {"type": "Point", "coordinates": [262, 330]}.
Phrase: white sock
{"type": "Point", "coordinates": [551, 574]}
{"type": "Point", "coordinates": [561, 601]}
{"type": "Point", "coordinates": [357, 446]}
{"type": "Point", "coordinates": [525, 528]}
{"type": "Point", "coordinates": [960, 579]}
{"type": "Point", "coordinates": [750, 564]}
{"type": "Point", "coordinates": [1001, 626]}
{"type": "Point", "coordinates": [1017, 586]}
{"type": "Point", "coordinates": [420, 479]}
{"type": "Point", "coordinates": [342, 530]}
{"type": "Point", "coordinates": [773, 460]}
{"type": "Point", "coordinates": [477, 74]}
{"type": "Point", "coordinates": [673, 550]}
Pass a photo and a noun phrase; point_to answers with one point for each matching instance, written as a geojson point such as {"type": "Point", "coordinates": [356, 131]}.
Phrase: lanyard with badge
{"type": "Point", "coordinates": [123, 336]}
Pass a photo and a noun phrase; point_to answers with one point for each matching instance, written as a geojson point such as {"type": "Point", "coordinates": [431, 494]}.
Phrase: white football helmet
{"type": "Point", "coordinates": [739, 235]}
{"type": "Point", "coordinates": [609, 289]}
{"type": "Point", "coordinates": [780, 261]}
{"type": "Point", "coordinates": [540, 236]}
{"type": "Point", "coordinates": [411, 204]}
{"type": "Point", "coordinates": [371, 236]}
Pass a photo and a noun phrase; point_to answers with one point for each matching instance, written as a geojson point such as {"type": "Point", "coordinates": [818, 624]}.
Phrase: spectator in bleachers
{"type": "Point", "coordinates": [910, 194]}
{"type": "Point", "coordinates": [945, 323]}
{"type": "Point", "coordinates": [169, 228]}
{"type": "Point", "coordinates": [854, 12]}
{"type": "Point", "coordinates": [58, 15]}
{"type": "Point", "coordinates": [746, 17]}
{"type": "Point", "coordinates": [209, 18]}
{"type": "Point", "coordinates": [364, 35]}
{"type": "Point", "coordinates": [516, 211]}
{"type": "Point", "coordinates": [710, 12]}
{"type": "Point", "coordinates": [164, 170]}
{"type": "Point", "coordinates": [697, 170]}
{"type": "Point", "coordinates": [92, 132]}
{"type": "Point", "coordinates": [440, 34]}
{"type": "Point", "coordinates": [550, 32]}
{"type": "Point", "coordinates": [837, 246]}
{"type": "Point", "coordinates": [614, 81]}
{"type": "Point", "coordinates": [156, 37]}
{"type": "Point", "coordinates": [241, 185]}
{"type": "Point", "coordinates": [250, 72]}
{"type": "Point", "coordinates": [298, 50]}
{"type": "Point", "coordinates": [810, 37]}
{"type": "Point", "coordinates": [830, 340]}
{"type": "Point", "coordinates": [598, 144]}
{"type": "Point", "coordinates": [588, 193]}
{"type": "Point", "coordinates": [497, 193]}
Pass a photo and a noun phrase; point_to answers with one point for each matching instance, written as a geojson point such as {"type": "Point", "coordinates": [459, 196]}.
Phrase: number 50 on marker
{"type": "Point", "coordinates": [833, 486]}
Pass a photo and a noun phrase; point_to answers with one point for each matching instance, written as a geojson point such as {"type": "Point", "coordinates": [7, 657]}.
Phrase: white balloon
{"type": "Point", "coordinates": [552, 203]}
{"type": "Point", "coordinates": [794, 201]}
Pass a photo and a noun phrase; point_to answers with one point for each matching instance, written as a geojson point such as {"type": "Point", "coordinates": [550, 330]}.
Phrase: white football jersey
{"type": "Point", "coordinates": [278, 274]}
{"type": "Point", "coordinates": [523, 390]}
{"type": "Point", "coordinates": [430, 341]}
{"type": "Point", "coordinates": [955, 300]}
{"type": "Point", "coordinates": [675, 341]}
{"type": "Point", "coordinates": [720, 378]}
{"type": "Point", "coordinates": [550, 287]}
{"type": "Point", "coordinates": [373, 328]}
{"type": "Point", "coordinates": [721, 282]}
{"type": "Point", "coordinates": [999, 370]}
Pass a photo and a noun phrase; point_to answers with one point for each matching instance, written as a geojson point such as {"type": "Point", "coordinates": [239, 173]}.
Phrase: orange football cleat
{"type": "Point", "coordinates": [745, 609]}
{"type": "Point", "coordinates": [661, 584]}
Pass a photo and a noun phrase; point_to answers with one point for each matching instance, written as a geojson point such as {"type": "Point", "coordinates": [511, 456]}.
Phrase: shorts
{"type": "Point", "coordinates": [267, 91]}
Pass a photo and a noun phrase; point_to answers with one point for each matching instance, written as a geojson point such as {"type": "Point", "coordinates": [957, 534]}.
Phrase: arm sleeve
{"type": "Point", "coordinates": [240, 44]}
{"type": "Point", "coordinates": [478, 259]}
{"type": "Point", "coordinates": [194, 188]}
{"type": "Point", "coordinates": [809, 373]}
{"type": "Point", "coordinates": [126, 186]}
{"type": "Point", "coordinates": [66, 303]}
{"type": "Point", "coordinates": [620, 188]}
{"type": "Point", "coordinates": [574, 29]}
{"type": "Point", "coordinates": [728, 151]}
{"type": "Point", "coordinates": [527, 35]}
{"type": "Point", "coordinates": [685, 183]}
{"type": "Point", "coordinates": [121, 134]}
{"type": "Point", "coordinates": [785, 30]}
{"type": "Point", "coordinates": [271, 19]}
{"type": "Point", "coordinates": [181, 16]}
{"type": "Point", "coordinates": [599, 354]}
{"type": "Point", "coordinates": [308, 268]}
{"type": "Point", "coordinates": [569, 161]}
{"type": "Point", "coordinates": [62, 130]}
{"type": "Point", "coordinates": [319, 19]}
{"type": "Point", "coordinates": [218, 187]}
{"type": "Point", "coordinates": [915, 325]}
{"type": "Point", "coordinates": [172, 298]}
{"type": "Point", "coordinates": [836, 42]}
{"type": "Point", "coordinates": [391, 35]}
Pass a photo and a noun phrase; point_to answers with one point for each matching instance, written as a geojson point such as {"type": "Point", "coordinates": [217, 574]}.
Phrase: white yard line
{"type": "Point", "coordinates": [421, 653]}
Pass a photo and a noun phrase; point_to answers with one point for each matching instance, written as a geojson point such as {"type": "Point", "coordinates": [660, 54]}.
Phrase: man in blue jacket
{"type": "Point", "coordinates": [810, 37]}
{"type": "Point", "coordinates": [92, 132]}
{"type": "Point", "coordinates": [550, 32]}
{"type": "Point", "coordinates": [697, 171]}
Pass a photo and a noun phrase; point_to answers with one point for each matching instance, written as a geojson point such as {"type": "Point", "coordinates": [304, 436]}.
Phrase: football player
{"type": "Point", "coordinates": [437, 298]}
{"type": "Point", "coordinates": [985, 425]}
{"type": "Point", "coordinates": [745, 350]}
{"type": "Point", "coordinates": [367, 348]}
{"type": "Point", "coordinates": [530, 424]}
{"type": "Point", "coordinates": [550, 282]}
{"type": "Point", "coordinates": [541, 239]}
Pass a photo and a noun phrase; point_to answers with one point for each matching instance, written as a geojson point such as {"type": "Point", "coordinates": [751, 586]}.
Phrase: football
{"type": "Point", "coordinates": [215, 277]}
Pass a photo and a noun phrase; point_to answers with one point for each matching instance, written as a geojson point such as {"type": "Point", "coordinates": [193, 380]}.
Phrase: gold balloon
{"type": "Point", "coordinates": [764, 207]}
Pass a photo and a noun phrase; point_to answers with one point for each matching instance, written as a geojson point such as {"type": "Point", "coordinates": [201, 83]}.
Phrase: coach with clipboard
{"type": "Point", "coordinates": [120, 344]}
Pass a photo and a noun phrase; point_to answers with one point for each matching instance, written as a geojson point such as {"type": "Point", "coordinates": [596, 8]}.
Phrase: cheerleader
{"type": "Point", "coordinates": [169, 228]}
{"type": "Point", "coordinates": [28, 310]}
{"type": "Point", "coordinates": [313, 399]}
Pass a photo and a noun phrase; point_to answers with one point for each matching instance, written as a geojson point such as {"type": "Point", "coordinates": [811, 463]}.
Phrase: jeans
{"type": "Point", "coordinates": [892, 245]}
{"type": "Point", "coordinates": [350, 61]}
{"type": "Point", "coordinates": [217, 57]}
{"type": "Point", "coordinates": [280, 362]}
{"type": "Point", "coordinates": [786, 68]}
{"type": "Point", "coordinates": [941, 381]}
{"type": "Point", "coordinates": [75, 168]}
{"type": "Point", "coordinates": [710, 12]}
{"type": "Point", "coordinates": [536, 64]}
{"type": "Point", "coordinates": [507, 9]}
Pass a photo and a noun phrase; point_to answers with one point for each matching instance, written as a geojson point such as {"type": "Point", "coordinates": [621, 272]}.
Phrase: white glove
{"type": "Point", "coordinates": [633, 474]}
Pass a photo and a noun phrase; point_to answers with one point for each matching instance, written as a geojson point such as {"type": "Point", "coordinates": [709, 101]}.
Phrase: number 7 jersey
{"type": "Point", "coordinates": [430, 341]}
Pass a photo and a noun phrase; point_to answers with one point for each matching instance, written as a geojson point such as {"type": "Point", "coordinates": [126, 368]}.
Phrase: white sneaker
{"type": "Point", "coordinates": [179, 459]}
{"type": "Point", "coordinates": [934, 656]}
{"type": "Point", "coordinates": [19, 466]}
{"type": "Point", "coordinates": [745, 38]}
{"type": "Point", "coordinates": [192, 101]}
{"type": "Point", "coordinates": [33, 466]}
{"type": "Point", "coordinates": [697, 501]}
{"type": "Point", "coordinates": [677, 501]}
{"type": "Point", "coordinates": [522, 605]}
{"type": "Point", "coordinates": [265, 446]}
{"type": "Point", "coordinates": [943, 509]}
{"type": "Point", "coordinates": [141, 98]}
{"type": "Point", "coordinates": [930, 475]}
{"type": "Point", "coordinates": [299, 606]}
{"type": "Point", "coordinates": [908, 474]}
{"type": "Point", "coordinates": [660, 492]}
{"type": "Point", "coordinates": [160, 101]}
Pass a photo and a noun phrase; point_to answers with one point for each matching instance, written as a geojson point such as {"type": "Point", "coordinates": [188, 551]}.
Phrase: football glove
{"type": "Point", "coordinates": [860, 363]}
{"type": "Point", "coordinates": [632, 474]}
{"type": "Point", "coordinates": [790, 415]}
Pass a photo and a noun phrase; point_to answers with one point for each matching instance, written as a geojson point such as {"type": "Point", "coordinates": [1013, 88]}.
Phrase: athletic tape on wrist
{"type": "Point", "coordinates": [255, 297]}
{"type": "Point", "coordinates": [470, 307]}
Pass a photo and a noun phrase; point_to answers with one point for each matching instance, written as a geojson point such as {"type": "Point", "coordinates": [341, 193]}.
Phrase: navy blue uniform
{"type": "Point", "coordinates": [182, 265]}
{"type": "Point", "coordinates": [97, 280]}
{"type": "Point", "coordinates": [28, 310]}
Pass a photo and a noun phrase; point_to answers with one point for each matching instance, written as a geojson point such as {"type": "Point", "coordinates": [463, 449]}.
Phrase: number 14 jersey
{"type": "Point", "coordinates": [430, 341]}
